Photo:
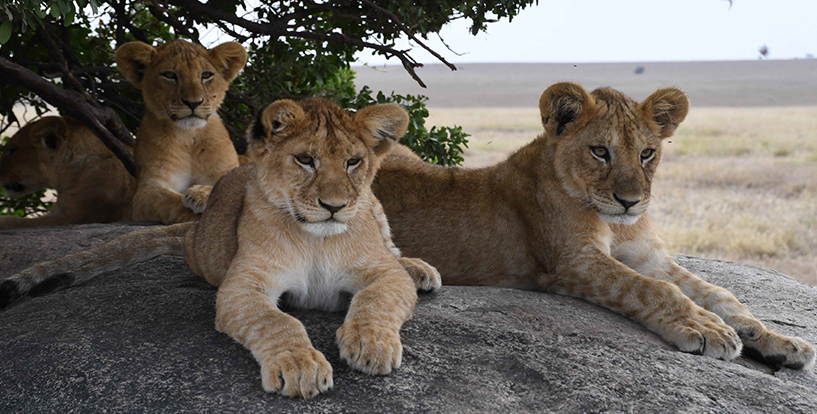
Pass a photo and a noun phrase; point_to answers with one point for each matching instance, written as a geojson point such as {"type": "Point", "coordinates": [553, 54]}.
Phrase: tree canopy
{"type": "Point", "coordinates": [60, 53]}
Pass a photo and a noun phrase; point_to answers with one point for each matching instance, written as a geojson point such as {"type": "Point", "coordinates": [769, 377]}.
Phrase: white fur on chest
{"type": "Point", "coordinates": [320, 284]}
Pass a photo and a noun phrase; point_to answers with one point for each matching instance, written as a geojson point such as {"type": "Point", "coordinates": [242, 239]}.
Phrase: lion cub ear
{"type": "Point", "coordinates": [561, 105]}
{"type": "Point", "coordinates": [133, 59]}
{"type": "Point", "coordinates": [667, 107]}
{"type": "Point", "coordinates": [52, 130]}
{"type": "Point", "coordinates": [386, 124]}
{"type": "Point", "coordinates": [274, 120]}
{"type": "Point", "coordinates": [229, 58]}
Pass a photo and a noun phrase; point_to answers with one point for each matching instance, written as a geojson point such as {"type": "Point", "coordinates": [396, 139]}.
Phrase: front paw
{"type": "Point", "coordinates": [425, 276]}
{"type": "Point", "coordinates": [369, 348]}
{"type": "Point", "coordinates": [296, 372]}
{"type": "Point", "coordinates": [704, 333]}
{"type": "Point", "coordinates": [776, 349]}
{"type": "Point", "coordinates": [195, 198]}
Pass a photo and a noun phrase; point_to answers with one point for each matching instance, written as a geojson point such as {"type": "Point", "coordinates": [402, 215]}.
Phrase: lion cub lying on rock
{"type": "Point", "coordinates": [182, 145]}
{"type": "Point", "coordinates": [61, 153]}
{"type": "Point", "coordinates": [298, 225]}
{"type": "Point", "coordinates": [567, 213]}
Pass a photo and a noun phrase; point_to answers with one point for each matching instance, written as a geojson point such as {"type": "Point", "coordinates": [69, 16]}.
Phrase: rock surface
{"type": "Point", "coordinates": [143, 340]}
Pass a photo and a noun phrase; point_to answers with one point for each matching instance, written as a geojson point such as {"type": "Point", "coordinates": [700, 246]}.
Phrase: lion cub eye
{"type": "Point", "coordinates": [169, 75]}
{"type": "Point", "coordinates": [351, 162]}
{"type": "Point", "coordinates": [600, 153]}
{"type": "Point", "coordinates": [206, 75]}
{"type": "Point", "coordinates": [647, 154]}
{"type": "Point", "coordinates": [305, 159]}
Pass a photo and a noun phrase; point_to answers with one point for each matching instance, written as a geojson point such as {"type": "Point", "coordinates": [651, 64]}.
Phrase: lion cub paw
{"type": "Point", "coordinates": [425, 276]}
{"type": "Point", "coordinates": [368, 348]}
{"type": "Point", "coordinates": [195, 198]}
{"type": "Point", "coordinates": [297, 373]}
{"type": "Point", "coordinates": [704, 333]}
{"type": "Point", "coordinates": [778, 350]}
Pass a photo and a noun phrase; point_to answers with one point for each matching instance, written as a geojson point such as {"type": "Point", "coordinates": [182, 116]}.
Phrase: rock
{"type": "Point", "coordinates": [143, 340]}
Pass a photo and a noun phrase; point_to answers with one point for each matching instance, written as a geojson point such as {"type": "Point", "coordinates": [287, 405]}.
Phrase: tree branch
{"type": "Point", "coordinates": [99, 119]}
{"type": "Point", "coordinates": [280, 28]}
{"type": "Point", "coordinates": [166, 16]}
{"type": "Point", "coordinates": [408, 32]}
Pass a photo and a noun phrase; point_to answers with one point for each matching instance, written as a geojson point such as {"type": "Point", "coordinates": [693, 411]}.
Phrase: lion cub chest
{"type": "Point", "coordinates": [318, 283]}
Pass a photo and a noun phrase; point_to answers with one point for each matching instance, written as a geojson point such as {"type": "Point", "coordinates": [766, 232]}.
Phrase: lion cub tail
{"type": "Point", "coordinates": [79, 267]}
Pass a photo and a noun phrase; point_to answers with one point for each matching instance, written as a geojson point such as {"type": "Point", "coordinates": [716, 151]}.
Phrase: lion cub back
{"type": "Point", "coordinates": [209, 259]}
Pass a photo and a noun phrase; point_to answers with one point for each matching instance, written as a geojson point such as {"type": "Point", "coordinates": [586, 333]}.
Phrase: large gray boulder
{"type": "Point", "coordinates": [143, 340]}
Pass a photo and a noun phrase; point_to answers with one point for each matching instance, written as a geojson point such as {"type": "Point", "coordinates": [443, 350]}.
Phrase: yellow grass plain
{"type": "Point", "coordinates": [737, 184]}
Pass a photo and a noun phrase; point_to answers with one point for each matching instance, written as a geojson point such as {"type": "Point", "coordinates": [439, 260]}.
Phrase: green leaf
{"type": "Point", "coordinates": [5, 32]}
{"type": "Point", "coordinates": [69, 18]}
{"type": "Point", "coordinates": [65, 7]}
{"type": "Point", "coordinates": [55, 10]}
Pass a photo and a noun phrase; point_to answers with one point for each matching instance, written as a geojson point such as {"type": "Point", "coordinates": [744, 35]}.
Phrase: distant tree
{"type": "Point", "coordinates": [60, 53]}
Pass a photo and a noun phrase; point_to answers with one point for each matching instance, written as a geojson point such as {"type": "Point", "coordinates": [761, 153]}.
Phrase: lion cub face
{"type": "Point", "coordinates": [607, 146]}
{"type": "Point", "coordinates": [317, 161]}
{"type": "Point", "coordinates": [181, 81]}
{"type": "Point", "coordinates": [28, 155]}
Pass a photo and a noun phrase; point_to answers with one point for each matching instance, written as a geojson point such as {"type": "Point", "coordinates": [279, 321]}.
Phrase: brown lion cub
{"type": "Point", "coordinates": [62, 154]}
{"type": "Point", "coordinates": [568, 214]}
{"type": "Point", "coordinates": [299, 226]}
{"type": "Point", "coordinates": [181, 141]}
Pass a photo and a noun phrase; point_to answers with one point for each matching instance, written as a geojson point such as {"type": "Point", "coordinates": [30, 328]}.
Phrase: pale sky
{"type": "Point", "coordinates": [633, 31]}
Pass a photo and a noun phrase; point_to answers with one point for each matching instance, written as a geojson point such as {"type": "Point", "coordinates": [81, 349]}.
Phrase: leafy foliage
{"type": "Point", "coordinates": [296, 49]}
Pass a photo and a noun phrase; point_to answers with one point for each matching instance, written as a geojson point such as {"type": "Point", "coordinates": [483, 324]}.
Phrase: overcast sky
{"type": "Point", "coordinates": [633, 31]}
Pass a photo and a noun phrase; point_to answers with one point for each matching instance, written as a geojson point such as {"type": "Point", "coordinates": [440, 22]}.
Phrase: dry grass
{"type": "Point", "coordinates": [736, 183]}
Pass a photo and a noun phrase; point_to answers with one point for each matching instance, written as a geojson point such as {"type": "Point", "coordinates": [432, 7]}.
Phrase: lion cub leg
{"type": "Point", "coordinates": [195, 198]}
{"type": "Point", "coordinates": [369, 339]}
{"type": "Point", "coordinates": [425, 276]}
{"type": "Point", "coordinates": [246, 310]}
{"type": "Point", "coordinates": [156, 203]}
{"type": "Point", "coordinates": [648, 257]}
{"type": "Point", "coordinates": [658, 305]}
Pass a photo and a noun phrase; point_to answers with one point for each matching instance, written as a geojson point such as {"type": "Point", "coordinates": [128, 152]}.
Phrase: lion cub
{"type": "Point", "coordinates": [567, 213]}
{"type": "Point", "coordinates": [297, 226]}
{"type": "Point", "coordinates": [61, 153]}
{"type": "Point", "coordinates": [181, 141]}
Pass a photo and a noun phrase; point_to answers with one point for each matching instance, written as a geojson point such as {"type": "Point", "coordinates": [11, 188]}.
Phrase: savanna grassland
{"type": "Point", "coordinates": [735, 183]}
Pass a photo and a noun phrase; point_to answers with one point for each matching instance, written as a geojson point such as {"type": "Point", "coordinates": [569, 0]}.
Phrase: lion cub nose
{"type": "Point", "coordinates": [627, 203]}
{"type": "Point", "coordinates": [192, 104]}
{"type": "Point", "coordinates": [333, 208]}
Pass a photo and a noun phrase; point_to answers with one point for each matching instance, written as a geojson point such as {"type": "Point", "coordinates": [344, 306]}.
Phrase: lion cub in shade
{"type": "Point", "coordinates": [568, 214]}
{"type": "Point", "coordinates": [61, 153]}
{"type": "Point", "coordinates": [181, 143]}
{"type": "Point", "coordinates": [299, 225]}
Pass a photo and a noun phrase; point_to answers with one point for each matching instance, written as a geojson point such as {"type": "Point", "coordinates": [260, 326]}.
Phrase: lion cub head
{"type": "Point", "coordinates": [318, 161]}
{"type": "Point", "coordinates": [181, 81]}
{"type": "Point", "coordinates": [30, 155]}
{"type": "Point", "coordinates": [607, 146]}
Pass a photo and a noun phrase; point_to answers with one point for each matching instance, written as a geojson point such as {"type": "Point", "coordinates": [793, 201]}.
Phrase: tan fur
{"type": "Point", "coordinates": [179, 143]}
{"type": "Point", "coordinates": [60, 153]}
{"type": "Point", "coordinates": [304, 232]}
{"type": "Point", "coordinates": [549, 218]}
